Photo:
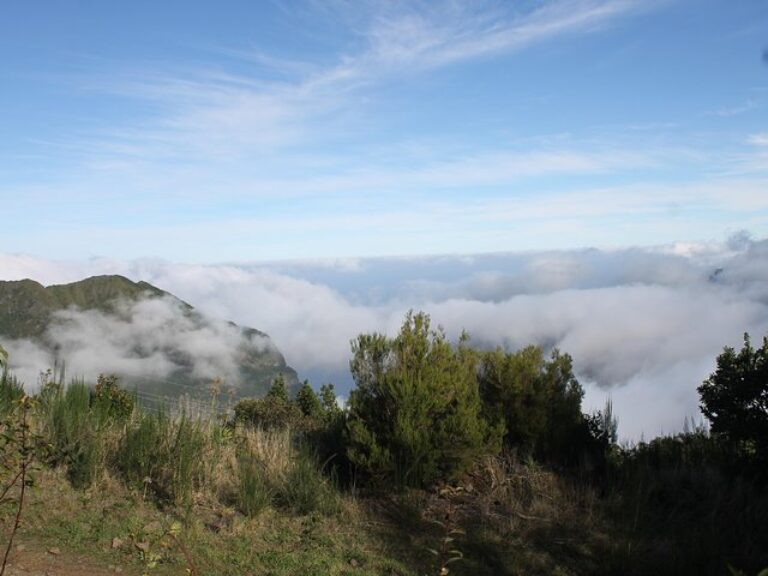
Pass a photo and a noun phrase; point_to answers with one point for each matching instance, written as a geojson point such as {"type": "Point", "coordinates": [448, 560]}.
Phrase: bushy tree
{"type": "Point", "coordinates": [275, 410]}
{"type": "Point", "coordinates": [538, 401]}
{"type": "Point", "coordinates": [268, 413]}
{"type": "Point", "coordinates": [415, 414]}
{"type": "Point", "coordinates": [108, 398]}
{"type": "Point", "coordinates": [735, 398]}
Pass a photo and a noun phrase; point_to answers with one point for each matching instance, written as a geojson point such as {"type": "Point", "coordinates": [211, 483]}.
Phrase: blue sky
{"type": "Point", "coordinates": [241, 131]}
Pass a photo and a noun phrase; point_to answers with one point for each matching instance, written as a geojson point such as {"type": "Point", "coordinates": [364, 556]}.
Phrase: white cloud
{"type": "Point", "coordinates": [760, 139]}
{"type": "Point", "coordinates": [149, 340]}
{"type": "Point", "coordinates": [644, 324]}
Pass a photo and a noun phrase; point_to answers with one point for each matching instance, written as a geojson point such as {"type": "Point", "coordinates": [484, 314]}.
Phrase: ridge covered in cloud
{"type": "Point", "coordinates": [643, 324]}
{"type": "Point", "coordinates": [156, 341]}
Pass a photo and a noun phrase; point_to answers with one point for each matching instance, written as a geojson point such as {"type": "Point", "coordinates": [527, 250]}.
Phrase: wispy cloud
{"type": "Point", "coordinates": [737, 109]}
{"type": "Point", "coordinates": [208, 112]}
{"type": "Point", "coordinates": [760, 139]}
{"type": "Point", "coordinates": [433, 35]}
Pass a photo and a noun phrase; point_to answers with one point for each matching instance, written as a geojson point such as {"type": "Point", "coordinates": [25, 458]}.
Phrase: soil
{"type": "Point", "coordinates": [26, 560]}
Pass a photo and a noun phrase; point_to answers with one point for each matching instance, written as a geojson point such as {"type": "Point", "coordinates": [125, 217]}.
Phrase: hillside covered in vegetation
{"type": "Point", "coordinates": [156, 343]}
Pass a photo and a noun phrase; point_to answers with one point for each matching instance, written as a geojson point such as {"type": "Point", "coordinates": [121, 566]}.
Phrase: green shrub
{"type": "Point", "coordinates": [308, 402]}
{"type": "Point", "coordinates": [269, 413]}
{"type": "Point", "coordinates": [109, 398]}
{"type": "Point", "coordinates": [537, 401]}
{"type": "Point", "coordinates": [688, 507]}
{"type": "Point", "coordinates": [74, 431]}
{"type": "Point", "coordinates": [306, 489]}
{"type": "Point", "coordinates": [415, 415]}
{"type": "Point", "coordinates": [11, 391]}
{"type": "Point", "coordinates": [163, 456]}
{"type": "Point", "coordinates": [255, 491]}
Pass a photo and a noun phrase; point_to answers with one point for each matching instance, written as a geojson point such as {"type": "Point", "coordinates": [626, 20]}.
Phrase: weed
{"type": "Point", "coordinates": [19, 450]}
{"type": "Point", "coordinates": [255, 491]}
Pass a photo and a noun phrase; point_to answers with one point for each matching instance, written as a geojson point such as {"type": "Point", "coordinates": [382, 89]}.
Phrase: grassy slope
{"type": "Point", "coordinates": [515, 519]}
{"type": "Point", "coordinates": [531, 523]}
{"type": "Point", "coordinates": [219, 541]}
{"type": "Point", "coordinates": [512, 517]}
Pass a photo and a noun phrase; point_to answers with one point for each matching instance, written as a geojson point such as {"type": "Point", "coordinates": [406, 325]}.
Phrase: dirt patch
{"type": "Point", "coordinates": [27, 560]}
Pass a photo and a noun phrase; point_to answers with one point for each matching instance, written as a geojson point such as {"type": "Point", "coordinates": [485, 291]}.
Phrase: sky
{"type": "Point", "coordinates": [256, 131]}
{"type": "Point", "coordinates": [583, 174]}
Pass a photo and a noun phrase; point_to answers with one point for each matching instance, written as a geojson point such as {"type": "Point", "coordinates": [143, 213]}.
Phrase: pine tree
{"type": "Point", "coordinates": [279, 390]}
{"type": "Point", "coordinates": [308, 402]}
{"type": "Point", "coordinates": [414, 416]}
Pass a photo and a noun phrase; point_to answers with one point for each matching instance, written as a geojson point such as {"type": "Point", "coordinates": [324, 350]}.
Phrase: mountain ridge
{"type": "Point", "coordinates": [30, 311]}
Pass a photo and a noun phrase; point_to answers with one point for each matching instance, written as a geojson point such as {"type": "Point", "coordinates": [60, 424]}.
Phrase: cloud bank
{"type": "Point", "coordinates": [149, 340]}
{"type": "Point", "coordinates": [643, 324]}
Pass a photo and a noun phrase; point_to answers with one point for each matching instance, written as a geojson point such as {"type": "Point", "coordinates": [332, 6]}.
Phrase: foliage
{"type": "Point", "coordinates": [109, 398]}
{"type": "Point", "coordinates": [255, 490]}
{"type": "Point", "coordinates": [305, 488]}
{"type": "Point", "coordinates": [163, 456]}
{"type": "Point", "coordinates": [74, 430]}
{"type": "Point", "coordinates": [17, 455]}
{"type": "Point", "coordinates": [11, 391]}
{"type": "Point", "coordinates": [273, 411]}
{"type": "Point", "coordinates": [735, 399]}
{"type": "Point", "coordinates": [537, 401]}
{"type": "Point", "coordinates": [414, 417]}
{"type": "Point", "coordinates": [330, 406]}
{"type": "Point", "coordinates": [308, 402]}
{"type": "Point", "coordinates": [279, 389]}
{"type": "Point", "coordinates": [674, 496]}
{"type": "Point", "coordinates": [270, 412]}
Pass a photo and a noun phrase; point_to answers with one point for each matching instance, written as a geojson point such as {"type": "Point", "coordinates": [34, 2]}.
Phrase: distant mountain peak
{"type": "Point", "coordinates": [152, 339]}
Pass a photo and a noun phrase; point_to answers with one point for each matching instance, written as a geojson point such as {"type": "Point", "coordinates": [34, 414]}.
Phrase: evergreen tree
{"type": "Point", "coordinates": [537, 401]}
{"type": "Point", "coordinates": [279, 390]}
{"type": "Point", "coordinates": [308, 402]}
{"type": "Point", "coordinates": [414, 416]}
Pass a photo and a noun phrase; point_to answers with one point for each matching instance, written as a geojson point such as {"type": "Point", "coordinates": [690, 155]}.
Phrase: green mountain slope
{"type": "Point", "coordinates": [57, 319]}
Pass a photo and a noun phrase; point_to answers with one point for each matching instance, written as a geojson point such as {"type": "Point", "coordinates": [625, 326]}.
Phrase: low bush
{"type": "Point", "coordinates": [163, 456]}
{"type": "Point", "coordinates": [305, 489]}
{"type": "Point", "coordinates": [75, 431]}
{"type": "Point", "coordinates": [255, 490]}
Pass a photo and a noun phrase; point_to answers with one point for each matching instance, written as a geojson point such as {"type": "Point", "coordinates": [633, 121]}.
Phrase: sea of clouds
{"type": "Point", "coordinates": [644, 325]}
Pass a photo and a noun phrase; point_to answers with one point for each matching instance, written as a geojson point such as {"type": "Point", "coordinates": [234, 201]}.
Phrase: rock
{"type": "Point", "coordinates": [54, 551]}
{"type": "Point", "coordinates": [143, 546]}
{"type": "Point", "coordinates": [117, 543]}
